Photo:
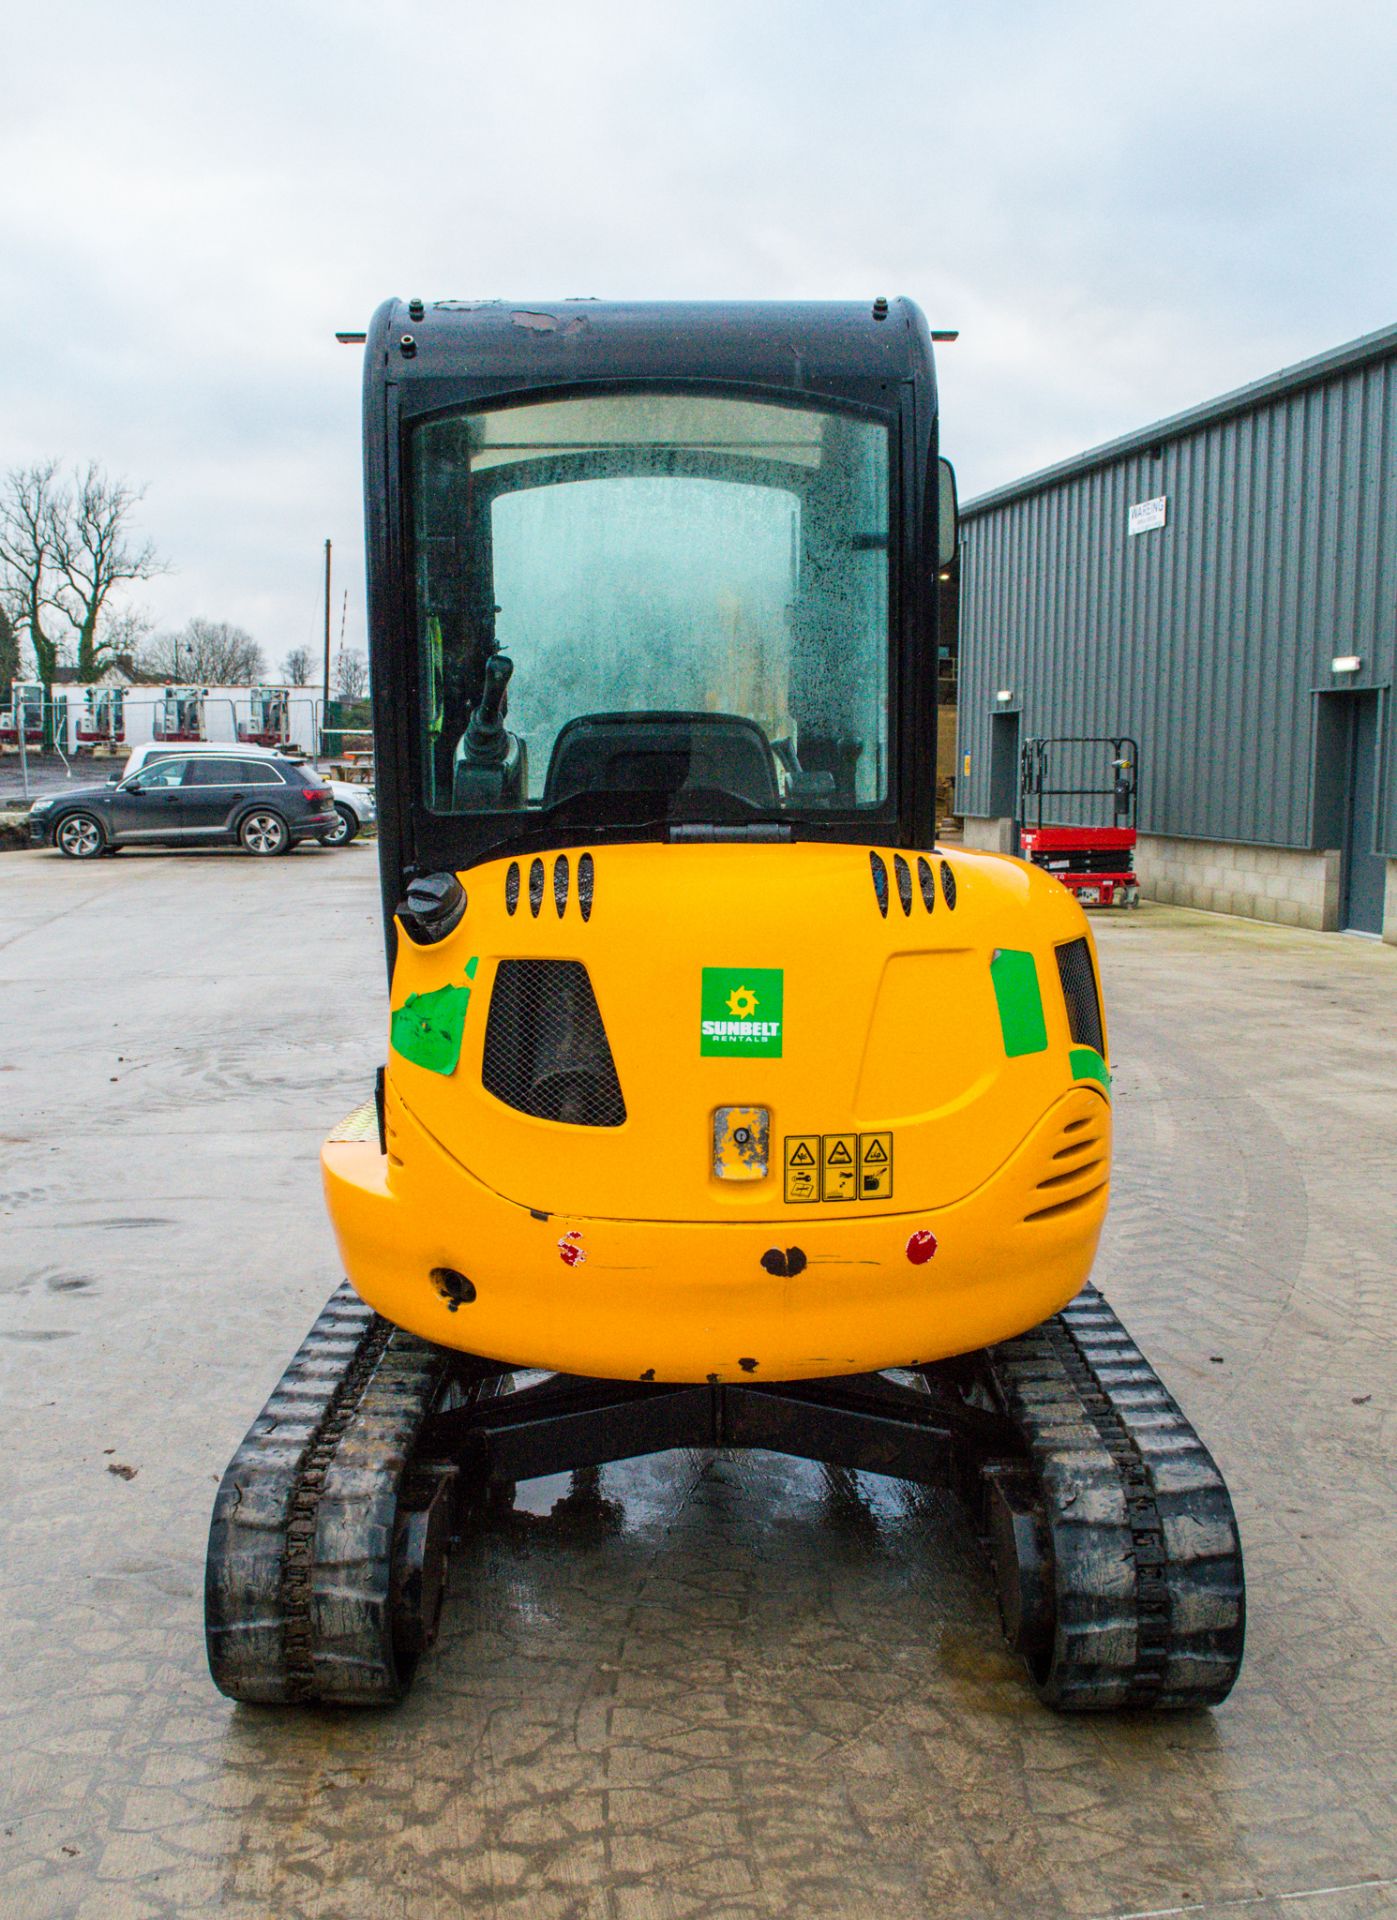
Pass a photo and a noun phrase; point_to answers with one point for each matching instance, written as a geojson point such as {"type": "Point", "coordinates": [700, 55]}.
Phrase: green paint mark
{"type": "Point", "coordinates": [741, 1012]}
{"type": "Point", "coordinates": [1087, 1064]}
{"type": "Point", "coordinates": [1015, 980]}
{"type": "Point", "coordinates": [427, 1028]}
{"type": "Point", "coordinates": [471, 966]}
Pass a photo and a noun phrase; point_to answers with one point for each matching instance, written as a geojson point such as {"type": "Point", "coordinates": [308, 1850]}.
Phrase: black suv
{"type": "Point", "coordinates": [265, 805]}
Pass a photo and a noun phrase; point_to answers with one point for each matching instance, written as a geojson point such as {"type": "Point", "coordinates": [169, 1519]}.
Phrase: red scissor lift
{"type": "Point", "coordinates": [1097, 863]}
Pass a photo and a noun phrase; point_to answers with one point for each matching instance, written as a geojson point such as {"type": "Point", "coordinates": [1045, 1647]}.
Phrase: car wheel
{"type": "Point", "coordinates": [345, 827]}
{"type": "Point", "coordinates": [265, 832]}
{"type": "Point", "coordinates": [80, 836]}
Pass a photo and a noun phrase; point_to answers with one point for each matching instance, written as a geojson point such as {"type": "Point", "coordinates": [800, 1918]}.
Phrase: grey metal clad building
{"type": "Point", "coordinates": [1241, 623]}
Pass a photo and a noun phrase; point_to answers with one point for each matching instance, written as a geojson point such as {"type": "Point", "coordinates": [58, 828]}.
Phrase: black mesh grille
{"type": "Point", "coordinates": [560, 884]}
{"type": "Point", "coordinates": [880, 882]}
{"type": "Point", "coordinates": [948, 883]}
{"type": "Point", "coordinates": [535, 887]}
{"type": "Point", "coordinates": [511, 887]}
{"type": "Point", "coordinates": [586, 880]}
{"type": "Point", "coordinates": [1078, 978]}
{"type": "Point", "coordinates": [927, 882]}
{"type": "Point", "coordinates": [546, 1051]}
{"type": "Point", "coordinates": [904, 882]}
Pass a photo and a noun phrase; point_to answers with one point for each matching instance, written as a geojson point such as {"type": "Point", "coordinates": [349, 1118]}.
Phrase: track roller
{"type": "Point", "coordinates": [327, 1550]}
{"type": "Point", "coordinates": [1118, 1562]}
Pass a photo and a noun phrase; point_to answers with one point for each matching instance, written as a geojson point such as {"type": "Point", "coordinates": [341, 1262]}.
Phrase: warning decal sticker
{"type": "Point", "coordinates": [875, 1166]}
{"type": "Point", "coordinates": [838, 1166]}
{"type": "Point", "coordinates": [802, 1167]}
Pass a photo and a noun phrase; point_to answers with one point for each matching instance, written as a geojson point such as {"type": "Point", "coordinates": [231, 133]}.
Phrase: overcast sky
{"type": "Point", "coordinates": [1125, 208]}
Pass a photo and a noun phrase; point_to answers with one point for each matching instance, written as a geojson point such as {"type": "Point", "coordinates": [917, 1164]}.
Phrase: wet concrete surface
{"type": "Point", "coordinates": [50, 773]}
{"type": "Point", "coordinates": [702, 1686]}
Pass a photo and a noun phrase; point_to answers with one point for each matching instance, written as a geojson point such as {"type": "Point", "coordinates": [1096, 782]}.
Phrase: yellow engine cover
{"type": "Point", "coordinates": [857, 1129]}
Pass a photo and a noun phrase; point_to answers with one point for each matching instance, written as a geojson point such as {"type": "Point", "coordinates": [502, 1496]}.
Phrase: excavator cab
{"type": "Point", "coordinates": [715, 1092]}
{"type": "Point", "coordinates": [181, 714]}
{"type": "Point", "coordinates": [269, 717]}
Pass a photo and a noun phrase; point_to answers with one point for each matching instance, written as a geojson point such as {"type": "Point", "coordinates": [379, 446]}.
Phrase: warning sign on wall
{"type": "Point", "coordinates": [1146, 515]}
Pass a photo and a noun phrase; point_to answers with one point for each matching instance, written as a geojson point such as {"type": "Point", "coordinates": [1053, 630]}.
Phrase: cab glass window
{"type": "Point", "coordinates": [676, 602]}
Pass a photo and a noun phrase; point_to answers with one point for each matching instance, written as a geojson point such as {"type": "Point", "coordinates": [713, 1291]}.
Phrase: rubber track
{"type": "Point", "coordinates": [1147, 1564]}
{"type": "Point", "coordinates": [297, 1603]}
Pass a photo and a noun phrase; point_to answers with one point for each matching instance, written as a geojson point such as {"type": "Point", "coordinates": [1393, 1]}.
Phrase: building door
{"type": "Point", "coordinates": [1364, 875]}
{"type": "Point", "coordinates": [1004, 772]}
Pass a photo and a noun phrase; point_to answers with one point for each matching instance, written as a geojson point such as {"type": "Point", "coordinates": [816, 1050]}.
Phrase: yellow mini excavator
{"type": "Point", "coordinates": [715, 1093]}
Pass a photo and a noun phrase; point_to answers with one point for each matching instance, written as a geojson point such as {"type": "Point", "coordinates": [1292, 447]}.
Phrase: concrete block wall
{"type": "Point", "coordinates": [1286, 885]}
{"type": "Point", "coordinates": [1293, 888]}
{"type": "Point", "coordinates": [987, 836]}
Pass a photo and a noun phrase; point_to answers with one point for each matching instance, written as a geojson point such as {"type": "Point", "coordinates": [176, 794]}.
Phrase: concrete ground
{"type": "Point", "coordinates": [729, 1686]}
{"type": "Point", "coordinates": [50, 773]}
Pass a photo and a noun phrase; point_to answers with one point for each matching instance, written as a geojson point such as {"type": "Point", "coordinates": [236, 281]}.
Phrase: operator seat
{"type": "Point", "coordinates": [662, 752]}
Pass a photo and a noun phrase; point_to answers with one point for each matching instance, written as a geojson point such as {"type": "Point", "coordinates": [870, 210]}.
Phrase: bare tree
{"type": "Point", "coordinates": [125, 636]}
{"type": "Point", "coordinates": [9, 652]}
{"type": "Point", "coordinates": [297, 667]}
{"type": "Point", "coordinates": [93, 553]}
{"type": "Point", "coordinates": [210, 652]}
{"type": "Point", "coordinates": [63, 548]}
{"type": "Point", "coordinates": [29, 575]}
{"type": "Point", "coordinates": [351, 674]}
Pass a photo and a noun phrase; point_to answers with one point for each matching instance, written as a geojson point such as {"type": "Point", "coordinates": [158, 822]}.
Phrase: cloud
{"type": "Point", "coordinates": [1125, 210]}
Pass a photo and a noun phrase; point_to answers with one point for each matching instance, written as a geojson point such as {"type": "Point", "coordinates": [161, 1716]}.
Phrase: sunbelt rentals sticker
{"type": "Point", "coordinates": [742, 1012]}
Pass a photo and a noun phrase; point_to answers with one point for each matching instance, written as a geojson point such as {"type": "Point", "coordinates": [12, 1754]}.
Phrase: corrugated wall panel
{"type": "Point", "coordinates": [1209, 638]}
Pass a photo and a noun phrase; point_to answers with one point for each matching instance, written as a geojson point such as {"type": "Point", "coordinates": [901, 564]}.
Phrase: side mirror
{"type": "Point", "coordinates": [947, 514]}
{"type": "Point", "coordinates": [113, 779]}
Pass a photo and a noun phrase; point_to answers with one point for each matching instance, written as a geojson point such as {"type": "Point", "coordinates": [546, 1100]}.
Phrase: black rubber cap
{"type": "Point", "coordinates": [433, 907]}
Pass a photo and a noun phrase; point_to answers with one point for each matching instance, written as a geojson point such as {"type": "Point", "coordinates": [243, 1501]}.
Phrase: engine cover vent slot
{"type": "Point", "coordinates": [561, 878]}
{"type": "Point", "coordinates": [904, 883]}
{"type": "Point", "coordinates": [926, 880]}
{"type": "Point", "coordinates": [535, 887]}
{"type": "Point", "coordinates": [586, 884]}
{"type": "Point", "coordinates": [511, 888]}
{"type": "Point", "coordinates": [1079, 990]}
{"type": "Point", "coordinates": [546, 1050]}
{"type": "Point", "coordinates": [948, 883]}
{"type": "Point", "coordinates": [880, 881]}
